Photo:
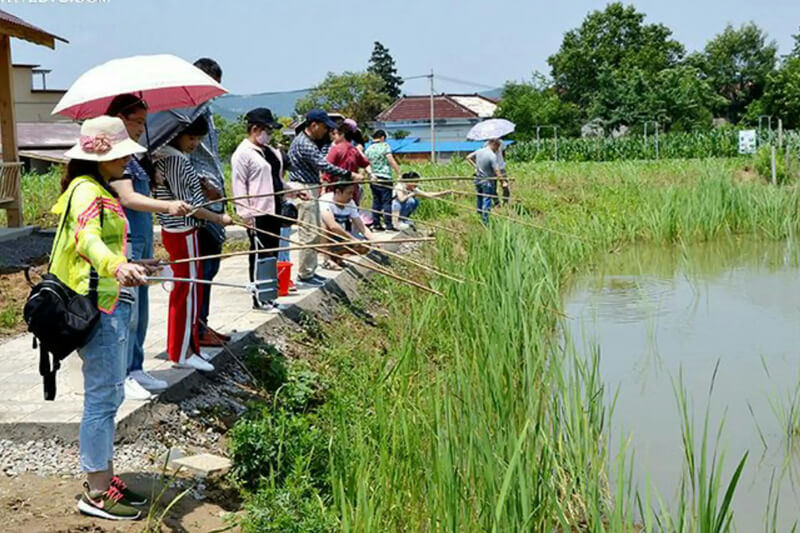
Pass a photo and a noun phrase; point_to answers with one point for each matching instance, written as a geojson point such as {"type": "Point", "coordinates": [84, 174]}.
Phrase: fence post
{"type": "Point", "coordinates": [657, 141]}
{"type": "Point", "coordinates": [774, 170]}
{"type": "Point", "coordinates": [555, 134]}
{"type": "Point", "coordinates": [780, 133]}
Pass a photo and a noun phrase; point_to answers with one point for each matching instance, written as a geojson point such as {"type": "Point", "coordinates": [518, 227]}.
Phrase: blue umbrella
{"type": "Point", "coordinates": [164, 126]}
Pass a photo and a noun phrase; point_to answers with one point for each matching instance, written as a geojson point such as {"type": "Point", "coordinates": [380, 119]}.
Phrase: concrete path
{"type": "Point", "coordinates": [25, 415]}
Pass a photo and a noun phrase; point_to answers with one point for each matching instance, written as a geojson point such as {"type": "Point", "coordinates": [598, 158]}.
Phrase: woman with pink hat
{"type": "Point", "coordinates": [90, 256]}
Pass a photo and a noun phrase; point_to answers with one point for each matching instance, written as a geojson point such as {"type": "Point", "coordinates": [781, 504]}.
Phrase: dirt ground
{"type": "Point", "coordinates": [34, 504]}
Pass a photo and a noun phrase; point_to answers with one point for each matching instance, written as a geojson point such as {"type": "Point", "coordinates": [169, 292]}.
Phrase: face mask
{"type": "Point", "coordinates": [264, 138]}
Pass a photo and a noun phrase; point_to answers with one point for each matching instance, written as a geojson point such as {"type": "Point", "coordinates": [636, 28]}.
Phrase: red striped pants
{"type": "Point", "coordinates": [185, 298]}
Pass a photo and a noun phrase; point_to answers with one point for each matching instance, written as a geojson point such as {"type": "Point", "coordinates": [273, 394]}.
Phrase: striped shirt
{"type": "Point", "coordinates": [181, 182]}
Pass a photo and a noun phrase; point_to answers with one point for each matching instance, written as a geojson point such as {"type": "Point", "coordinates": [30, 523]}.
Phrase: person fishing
{"type": "Point", "coordinates": [382, 161]}
{"type": "Point", "coordinates": [133, 189]}
{"type": "Point", "coordinates": [405, 199]}
{"type": "Point", "coordinates": [487, 173]}
{"type": "Point", "coordinates": [341, 219]}
{"type": "Point", "coordinates": [306, 161]}
{"type": "Point", "coordinates": [89, 256]}
{"type": "Point", "coordinates": [256, 169]}
{"type": "Point", "coordinates": [179, 235]}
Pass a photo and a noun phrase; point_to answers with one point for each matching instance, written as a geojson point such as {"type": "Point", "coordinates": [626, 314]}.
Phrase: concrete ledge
{"type": "Point", "coordinates": [32, 420]}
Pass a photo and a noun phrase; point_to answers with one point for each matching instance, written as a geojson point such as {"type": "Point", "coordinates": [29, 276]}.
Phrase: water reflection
{"type": "Point", "coordinates": [651, 311]}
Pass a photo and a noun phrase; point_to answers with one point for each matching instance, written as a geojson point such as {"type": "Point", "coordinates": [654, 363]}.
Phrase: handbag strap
{"type": "Point", "coordinates": [94, 278]}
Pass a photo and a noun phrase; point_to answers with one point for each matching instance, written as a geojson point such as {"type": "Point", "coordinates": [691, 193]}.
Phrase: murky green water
{"type": "Point", "coordinates": [654, 311]}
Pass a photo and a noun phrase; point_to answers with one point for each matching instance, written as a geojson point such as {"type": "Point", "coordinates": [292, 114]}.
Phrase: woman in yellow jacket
{"type": "Point", "coordinates": [92, 240]}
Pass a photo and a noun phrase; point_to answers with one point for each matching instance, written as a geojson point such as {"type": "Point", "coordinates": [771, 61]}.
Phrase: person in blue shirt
{"type": "Point", "coordinates": [134, 194]}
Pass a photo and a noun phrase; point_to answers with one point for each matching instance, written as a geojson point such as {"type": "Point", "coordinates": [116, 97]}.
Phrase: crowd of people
{"type": "Point", "coordinates": [104, 244]}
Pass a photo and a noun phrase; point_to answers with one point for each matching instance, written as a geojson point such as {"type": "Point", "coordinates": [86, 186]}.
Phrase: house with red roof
{"type": "Point", "coordinates": [454, 115]}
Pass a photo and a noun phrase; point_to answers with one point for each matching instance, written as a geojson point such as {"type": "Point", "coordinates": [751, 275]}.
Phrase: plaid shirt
{"type": "Point", "coordinates": [206, 162]}
{"type": "Point", "coordinates": [306, 161]}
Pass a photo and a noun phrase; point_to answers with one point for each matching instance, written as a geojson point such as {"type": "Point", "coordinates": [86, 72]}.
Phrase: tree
{"type": "Point", "coordinates": [679, 98]}
{"type": "Point", "coordinates": [796, 49]}
{"type": "Point", "coordinates": [537, 104]}
{"type": "Point", "coordinates": [781, 95]}
{"type": "Point", "coordinates": [382, 64]}
{"type": "Point", "coordinates": [356, 95]}
{"type": "Point", "coordinates": [737, 63]}
{"type": "Point", "coordinates": [607, 41]}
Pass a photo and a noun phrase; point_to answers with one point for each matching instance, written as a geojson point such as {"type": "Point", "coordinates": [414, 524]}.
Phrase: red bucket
{"type": "Point", "coordinates": [284, 277]}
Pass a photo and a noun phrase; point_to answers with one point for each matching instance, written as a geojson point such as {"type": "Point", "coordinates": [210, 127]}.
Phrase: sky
{"type": "Point", "coordinates": [267, 45]}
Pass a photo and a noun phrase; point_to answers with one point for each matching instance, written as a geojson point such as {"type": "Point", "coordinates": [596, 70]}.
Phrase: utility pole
{"type": "Point", "coordinates": [433, 127]}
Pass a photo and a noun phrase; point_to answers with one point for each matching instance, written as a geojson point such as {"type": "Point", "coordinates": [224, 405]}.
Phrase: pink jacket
{"type": "Point", "coordinates": [252, 175]}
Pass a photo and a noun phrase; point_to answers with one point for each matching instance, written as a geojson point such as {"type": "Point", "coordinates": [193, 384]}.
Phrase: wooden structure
{"type": "Point", "coordinates": [10, 193]}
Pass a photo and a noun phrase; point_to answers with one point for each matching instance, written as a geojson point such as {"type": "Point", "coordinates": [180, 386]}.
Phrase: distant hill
{"type": "Point", "coordinates": [231, 106]}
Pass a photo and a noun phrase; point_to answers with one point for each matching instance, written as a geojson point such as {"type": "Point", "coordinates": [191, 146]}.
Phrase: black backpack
{"type": "Point", "coordinates": [60, 319]}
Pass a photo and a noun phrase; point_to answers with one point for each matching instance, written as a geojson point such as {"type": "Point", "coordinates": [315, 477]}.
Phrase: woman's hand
{"type": "Point", "coordinates": [179, 209]}
{"type": "Point", "coordinates": [131, 274]}
{"type": "Point", "coordinates": [225, 220]}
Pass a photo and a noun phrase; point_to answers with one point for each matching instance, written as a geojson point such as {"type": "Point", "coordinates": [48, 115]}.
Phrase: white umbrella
{"type": "Point", "coordinates": [494, 128]}
{"type": "Point", "coordinates": [163, 81]}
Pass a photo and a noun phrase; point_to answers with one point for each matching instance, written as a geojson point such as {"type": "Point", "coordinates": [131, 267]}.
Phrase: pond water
{"type": "Point", "coordinates": [654, 312]}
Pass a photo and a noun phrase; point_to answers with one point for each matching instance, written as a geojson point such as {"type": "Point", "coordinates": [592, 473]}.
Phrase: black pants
{"type": "Point", "coordinates": [260, 241]}
{"type": "Point", "coordinates": [208, 245]}
{"type": "Point", "coordinates": [382, 202]}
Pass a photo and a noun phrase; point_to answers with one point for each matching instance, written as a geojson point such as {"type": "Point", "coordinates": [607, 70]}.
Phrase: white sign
{"type": "Point", "coordinates": [747, 142]}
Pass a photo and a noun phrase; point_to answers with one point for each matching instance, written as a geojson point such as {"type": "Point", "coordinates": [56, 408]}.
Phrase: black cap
{"type": "Point", "coordinates": [262, 117]}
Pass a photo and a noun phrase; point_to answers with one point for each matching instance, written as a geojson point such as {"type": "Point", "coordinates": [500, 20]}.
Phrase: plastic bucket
{"type": "Point", "coordinates": [284, 277]}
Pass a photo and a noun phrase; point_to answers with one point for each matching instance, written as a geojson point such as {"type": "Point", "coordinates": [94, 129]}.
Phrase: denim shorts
{"type": "Point", "coordinates": [105, 364]}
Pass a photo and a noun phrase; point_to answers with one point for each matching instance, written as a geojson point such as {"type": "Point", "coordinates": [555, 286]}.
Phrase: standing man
{"type": "Point", "coordinates": [380, 157]}
{"type": "Point", "coordinates": [306, 161]}
{"type": "Point", "coordinates": [487, 172]}
{"type": "Point", "coordinates": [211, 236]}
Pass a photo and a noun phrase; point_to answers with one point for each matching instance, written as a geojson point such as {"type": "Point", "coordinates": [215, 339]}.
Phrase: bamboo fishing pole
{"type": "Point", "coordinates": [280, 249]}
{"type": "Point", "coordinates": [506, 217]}
{"type": "Point", "coordinates": [318, 186]}
{"type": "Point", "coordinates": [415, 221]}
{"type": "Point", "coordinates": [321, 231]}
{"type": "Point", "coordinates": [380, 270]}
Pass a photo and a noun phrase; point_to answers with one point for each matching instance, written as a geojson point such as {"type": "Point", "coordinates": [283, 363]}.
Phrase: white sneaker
{"type": "Point", "coordinates": [134, 391]}
{"type": "Point", "coordinates": [205, 356]}
{"type": "Point", "coordinates": [147, 381]}
{"type": "Point", "coordinates": [401, 226]}
{"type": "Point", "coordinates": [196, 362]}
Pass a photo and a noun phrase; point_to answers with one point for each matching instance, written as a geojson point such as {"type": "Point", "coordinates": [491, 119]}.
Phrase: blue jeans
{"type": "Point", "coordinates": [486, 190]}
{"type": "Point", "coordinates": [286, 232]}
{"type": "Point", "coordinates": [104, 369]}
{"type": "Point", "coordinates": [209, 245]}
{"type": "Point", "coordinates": [382, 201]}
{"type": "Point", "coordinates": [141, 248]}
{"type": "Point", "coordinates": [406, 208]}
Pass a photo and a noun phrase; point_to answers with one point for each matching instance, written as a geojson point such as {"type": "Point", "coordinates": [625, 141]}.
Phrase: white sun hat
{"type": "Point", "coordinates": [104, 139]}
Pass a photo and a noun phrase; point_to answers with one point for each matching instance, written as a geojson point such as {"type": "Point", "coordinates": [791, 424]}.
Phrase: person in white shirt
{"type": "Point", "coordinates": [340, 217]}
{"type": "Point", "coordinates": [405, 199]}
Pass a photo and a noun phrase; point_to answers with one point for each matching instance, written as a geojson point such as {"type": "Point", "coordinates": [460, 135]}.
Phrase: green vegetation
{"type": "Point", "coordinates": [39, 193]}
{"type": "Point", "coordinates": [467, 413]}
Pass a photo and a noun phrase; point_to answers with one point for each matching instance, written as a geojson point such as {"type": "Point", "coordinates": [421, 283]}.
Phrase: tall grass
{"type": "Point", "coordinates": [481, 420]}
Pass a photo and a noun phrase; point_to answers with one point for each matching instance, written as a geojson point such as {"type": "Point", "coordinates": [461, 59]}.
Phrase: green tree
{"type": "Point", "coordinates": [737, 63]}
{"type": "Point", "coordinates": [679, 98]}
{"type": "Point", "coordinates": [537, 104]}
{"type": "Point", "coordinates": [607, 41]}
{"type": "Point", "coordinates": [781, 95]}
{"type": "Point", "coordinates": [382, 64]}
{"type": "Point", "coordinates": [357, 95]}
{"type": "Point", "coordinates": [796, 49]}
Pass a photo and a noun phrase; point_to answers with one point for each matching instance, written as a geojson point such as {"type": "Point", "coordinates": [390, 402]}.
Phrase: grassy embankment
{"type": "Point", "coordinates": [465, 413]}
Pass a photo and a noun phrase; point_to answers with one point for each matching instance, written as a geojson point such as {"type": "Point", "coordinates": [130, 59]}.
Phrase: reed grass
{"type": "Point", "coordinates": [481, 419]}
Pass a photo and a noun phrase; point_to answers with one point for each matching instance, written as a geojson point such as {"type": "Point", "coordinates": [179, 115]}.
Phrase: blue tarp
{"type": "Point", "coordinates": [413, 145]}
